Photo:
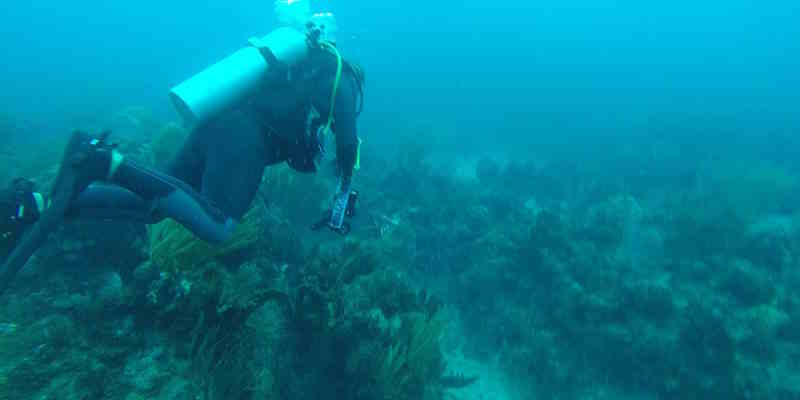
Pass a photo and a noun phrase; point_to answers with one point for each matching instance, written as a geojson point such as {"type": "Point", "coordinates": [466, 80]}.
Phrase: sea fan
{"type": "Point", "coordinates": [175, 248]}
{"type": "Point", "coordinates": [414, 360]}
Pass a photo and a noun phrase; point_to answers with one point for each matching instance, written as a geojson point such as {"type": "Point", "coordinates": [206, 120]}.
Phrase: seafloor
{"type": "Point", "coordinates": [465, 278]}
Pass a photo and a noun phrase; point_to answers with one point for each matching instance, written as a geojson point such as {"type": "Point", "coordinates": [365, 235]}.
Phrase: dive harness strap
{"type": "Point", "coordinates": [331, 48]}
{"type": "Point", "coordinates": [339, 66]}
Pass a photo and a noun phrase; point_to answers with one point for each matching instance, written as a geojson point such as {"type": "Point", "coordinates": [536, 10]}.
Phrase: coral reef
{"type": "Point", "coordinates": [526, 279]}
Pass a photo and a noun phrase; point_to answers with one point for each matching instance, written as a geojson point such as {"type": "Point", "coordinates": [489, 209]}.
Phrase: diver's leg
{"type": "Point", "coordinates": [172, 198]}
{"type": "Point", "coordinates": [87, 160]}
{"type": "Point", "coordinates": [188, 163]}
{"type": "Point", "coordinates": [105, 201]}
{"type": "Point", "coordinates": [235, 162]}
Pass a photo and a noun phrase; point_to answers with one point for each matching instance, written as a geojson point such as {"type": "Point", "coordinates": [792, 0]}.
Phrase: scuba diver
{"type": "Point", "coordinates": [276, 100]}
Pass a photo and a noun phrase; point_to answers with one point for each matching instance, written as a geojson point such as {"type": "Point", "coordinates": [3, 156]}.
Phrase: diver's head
{"type": "Point", "coordinates": [297, 14]}
{"type": "Point", "coordinates": [323, 24]}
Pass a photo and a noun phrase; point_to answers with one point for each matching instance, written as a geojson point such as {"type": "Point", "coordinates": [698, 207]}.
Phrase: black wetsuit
{"type": "Point", "coordinates": [224, 158]}
{"type": "Point", "coordinates": [222, 161]}
{"type": "Point", "coordinates": [214, 177]}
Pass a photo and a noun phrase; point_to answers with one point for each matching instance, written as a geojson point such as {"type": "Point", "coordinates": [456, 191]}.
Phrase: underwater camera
{"type": "Point", "coordinates": [350, 211]}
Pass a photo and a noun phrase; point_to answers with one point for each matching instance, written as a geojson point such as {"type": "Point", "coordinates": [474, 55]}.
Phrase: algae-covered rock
{"type": "Point", "coordinates": [767, 318]}
{"type": "Point", "coordinates": [72, 302]}
{"type": "Point", "coordinates": [550, 232]}
{"type": "Point", "coordinates": [143, 371]}
{"type": "Point", "coordinates": [608, 223]}
{"type": "Point", "coordinates": [110, 290]}
{"type": "Point", "coordinates": [177, 389]}
{"type": "Point", "coordinates": [53, 331]}
{"type": "Point", "coordinates": [707, 346]}
{"type": "Point", "coordinates": [650, 300]}
{"type": "Point", "coordinates": [756, 332]}
{"type": "Point", "coordinates": [746, 284]}
{"type": "Point", "coordinates": [700, 229]}
{"type": "Point", "coordinates": [42, 352]}
{"type": "Point", "coordinates": [772, 242]}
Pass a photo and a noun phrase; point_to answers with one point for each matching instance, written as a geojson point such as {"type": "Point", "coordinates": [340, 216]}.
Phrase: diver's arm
{"type": "Point", "coordinates": [111, 202]}
{"type": "Point", "coordinates": [345, 128]}
{"type": "Point", "coordinates": [346, 151]}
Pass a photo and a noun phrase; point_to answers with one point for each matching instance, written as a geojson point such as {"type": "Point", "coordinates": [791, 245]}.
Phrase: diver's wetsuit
{"type": "Point", "coordinates": [214, 177]}
{"type": "Point", "coordinates": [224, 158]}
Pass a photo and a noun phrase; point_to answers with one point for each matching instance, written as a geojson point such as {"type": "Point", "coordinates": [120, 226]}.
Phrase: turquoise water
{"type": "Point", "coordinates": [559, 200]}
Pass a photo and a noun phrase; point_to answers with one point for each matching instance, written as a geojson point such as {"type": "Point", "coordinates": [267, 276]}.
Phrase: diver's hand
{"type": "Point", "coordinates": [344, 206]}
